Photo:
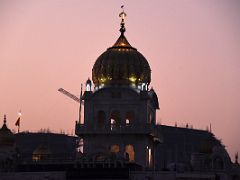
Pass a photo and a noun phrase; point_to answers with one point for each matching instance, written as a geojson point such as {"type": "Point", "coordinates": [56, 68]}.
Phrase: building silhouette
{"type": "Point", "coordinates": [119, 138]}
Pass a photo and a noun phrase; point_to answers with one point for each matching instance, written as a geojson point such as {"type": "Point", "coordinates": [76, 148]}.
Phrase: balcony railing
{"type": "Point", "coordinates": [144, 129]}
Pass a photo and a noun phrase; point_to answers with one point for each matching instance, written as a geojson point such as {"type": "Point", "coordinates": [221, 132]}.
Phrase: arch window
{"type": "Point", "coordinates": [115, 148]}
{"type": "Point", "coordinates": [151, 119]}
{"type": "Point", "coordinates": [100, 157]}
{"type": "Point", "coordinates": [101, 118]}
{"type": "Point", "coordinates": [130, 153]}
{"type": "Point", "coordinates": [130, 116]}
{"type": "Point", "coordinates": [144, 86]}
{"type": "Point", "coordinates": [149, 156]}
{"type": "Point", "coordinates": [115, 119]}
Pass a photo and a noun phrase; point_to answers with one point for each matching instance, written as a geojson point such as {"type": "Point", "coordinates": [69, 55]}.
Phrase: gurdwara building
{"type": "Point", "coordinates": [119, 138]}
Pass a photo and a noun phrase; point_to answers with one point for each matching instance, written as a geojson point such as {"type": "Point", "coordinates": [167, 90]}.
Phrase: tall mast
{"type": "Point", "coordinates": [80, 107]}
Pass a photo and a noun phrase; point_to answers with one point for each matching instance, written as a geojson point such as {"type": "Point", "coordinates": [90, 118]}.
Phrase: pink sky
{"type": "Point", "coordinates": [193, 48]}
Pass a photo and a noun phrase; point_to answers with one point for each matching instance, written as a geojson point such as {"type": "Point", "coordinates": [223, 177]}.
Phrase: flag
{"type": "Point", "coordinates": [17, 122]}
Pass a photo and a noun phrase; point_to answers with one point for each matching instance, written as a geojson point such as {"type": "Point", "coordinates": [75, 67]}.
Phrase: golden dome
{"type": "Point", "coordinates": [121, 64]}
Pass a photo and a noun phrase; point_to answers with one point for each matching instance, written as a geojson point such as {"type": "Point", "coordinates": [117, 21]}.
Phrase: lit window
{"type": "Point", "coordinates": [130, 117]}
{"type": "Point", "coordinates": [101, 118]}
{"type": "Point", "coordinates": [130, 153]}
{"type": "Point", "coordinates": [149, 157]}
{"type": "Point", "coordinates": [115, 148]}
{"type": "Point", "coordinates": [115, 119]}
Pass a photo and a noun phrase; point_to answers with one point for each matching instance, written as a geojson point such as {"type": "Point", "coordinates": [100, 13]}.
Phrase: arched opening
{"type": "Point", "coordinates": [101, 118]}
{"type": "Point", "coordinates": [88, 85]}
{"type": "Point", "coordinates": [130, 116]}
{"type": "Point", "coordinates": [151, 119]}
{"type": "Point", "coordinates": [99, 157]}
{"type": "Point", "coordinates": [79, 147]}
{"type": "Point", "coordinates": [149, 156]}
{"type": "Point", "coordinates": [115, 119]}
{"type": "Point", "coordinates": [144, 86]}
{"type": "Point", "coordinates": [115, 148]}
{"type": "Point", "coordinates": [207, 163]}
{"type": "Point", "coordinates": [130, 153]}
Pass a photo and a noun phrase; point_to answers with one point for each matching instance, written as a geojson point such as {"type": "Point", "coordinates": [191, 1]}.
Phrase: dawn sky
{"type": "Point", "coordinates": [193, 48]}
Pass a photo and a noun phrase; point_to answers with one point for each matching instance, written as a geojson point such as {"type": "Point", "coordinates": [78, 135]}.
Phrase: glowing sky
{"type": "Point", "coordinates": [193, 48]}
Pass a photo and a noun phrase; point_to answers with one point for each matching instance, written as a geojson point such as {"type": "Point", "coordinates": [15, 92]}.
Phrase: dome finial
{"type": "Point", "coordinates": [122, 15]}
{"type": "Point", "coordinates": [4, 119]}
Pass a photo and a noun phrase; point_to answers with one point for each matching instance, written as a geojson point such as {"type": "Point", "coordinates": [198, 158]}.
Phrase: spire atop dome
{"type": "Point", "coordinates": [122, 15]}
{"type": "Point", "coordinates": [122, 41]}
{"type": "Point", "coordinates": [4, 126]}
{"type": "Point", "coordinates": [4, 119]}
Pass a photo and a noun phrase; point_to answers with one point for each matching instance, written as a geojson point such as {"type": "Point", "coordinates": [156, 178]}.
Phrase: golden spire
{"type": "Point", "coordinates": [122, 15]}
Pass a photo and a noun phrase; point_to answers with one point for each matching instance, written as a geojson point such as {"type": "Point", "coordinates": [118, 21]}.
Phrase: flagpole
{"type": "Point", "coordinates": [80, 108]}
{"type": "Point", "coordinates": [19, 117]}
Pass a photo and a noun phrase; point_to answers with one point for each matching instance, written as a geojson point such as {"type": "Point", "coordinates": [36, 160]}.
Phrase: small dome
{"type": "Point", "coordinates": [154, 98]}
{"type": "Point", "coordinates": [121, 64]}
{"type": "Point", "coordinates": [6, 135]}
{"type": "Point", "coordinates": [88, 81]}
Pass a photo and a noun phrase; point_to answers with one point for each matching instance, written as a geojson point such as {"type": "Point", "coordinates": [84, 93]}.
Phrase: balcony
{"type": "Point", "coordinates": [128, 129]}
